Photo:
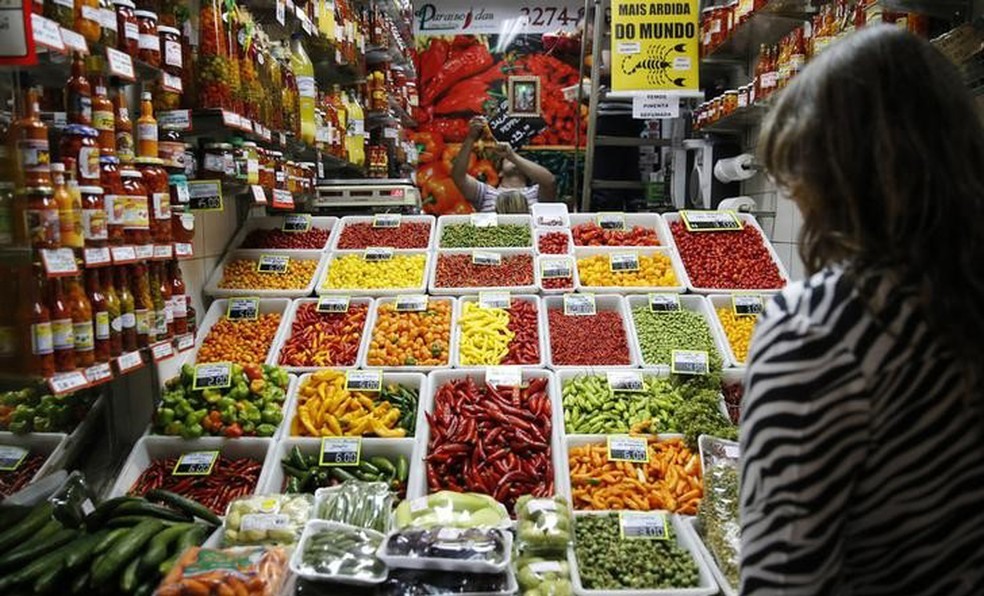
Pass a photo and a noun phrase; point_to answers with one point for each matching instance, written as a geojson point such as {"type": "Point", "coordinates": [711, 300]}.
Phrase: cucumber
{"type": "Point", "coordinates": [146, 588]}
{"type": "Point", "coordinates": [108, 540]}
{"type": "Point", "coordinates": [84, 550]}
{"type": "Point", "coordinates": [63, 536]}
{"type": "Point", "coordinates": [384, 465]}
{"type": "Point", "coordinates": [16, 555]}
{"type": "Point", "coordinates": [128, 579]}
{"type": "Point", "coordinates": [101, 513]}
{"type": "Point", "coordinates": [193, 537]}
{"type": "Point", "coordinates": [402, 468]}
{"type": "Point", "coordinates": [46, 581]}
{"type": "Point", "coordinates": [128, 521]}
{"type": "Point", "coordinates": [106, 566]}
{"type": "Point", "coordinates": [184, 504]}
{"type": "Point", "coordinates": [157, 550]}
{"type": "Point", "coordinates": [146, 509]}
{"type": "Point", "coordinates": [35, 520]}
{"type": "Point", "coordinates": [36, 568]}
{"type": "Point", "coordinates": [80, 584]}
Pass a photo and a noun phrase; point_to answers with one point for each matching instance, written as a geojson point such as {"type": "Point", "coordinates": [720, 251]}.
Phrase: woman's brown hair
{"type": "Point", "coordinates": [880, 145]}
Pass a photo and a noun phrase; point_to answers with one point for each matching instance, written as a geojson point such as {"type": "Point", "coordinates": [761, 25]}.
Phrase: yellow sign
{"type": "Point", "coordinates": [654, 45]}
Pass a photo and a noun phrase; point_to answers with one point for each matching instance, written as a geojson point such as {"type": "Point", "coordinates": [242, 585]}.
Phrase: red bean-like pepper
{"type": "Point", "coordinates": [727, 260]}
{"type": "Point", "coordinates": [357, 236]}
{"type": "Point", "coordinates": [524, 322]}
{"type": "Point", "coordinates": [587, 340]}
{"type": "Point", "coordinates": [313, 239]}
{"type": "Point", "coordinates": [554, 243]}
{"type": "Point", "coordinates": [458, 271]}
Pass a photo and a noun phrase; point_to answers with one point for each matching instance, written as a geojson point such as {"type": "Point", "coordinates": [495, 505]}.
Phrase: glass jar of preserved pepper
{"type": "Point", "coordinates": [213, 69]}
{"type": "Point", "coordinates": [136, 214]}
{"type": "Point", "coordinates": [149, 45]}
{"type": "Point", "coordinates": [108, 27]}
{"type": "Point", "coordinates": [172, 60]}
{"type": "Point", "coordinates": [178, 188]}
{"type": "Point", "coordinates": [88, 20]}
{"type": "Point", "coordinates": [36, 221]}
{"type": "Point", "coordinates": [94, 224]}
{"type": "Point", "coordinates": [182, 226]}
{"type": "Point", "coordinates": [112, 184]}
{"type": "Point", "coordinates": [61, 12]}
{"type": "Point", "coordinates": [143, 304]}
{"type": "Point", "coordinates": [79, 149]}
{"type": "Point", "coordinates": [218, 162]}
{"type": "Point", "coordinates": [171, 148]}
{"type": "Point", "coordinates": [156, 182]}
{"type": "Point", "coordinates": [128, 31]}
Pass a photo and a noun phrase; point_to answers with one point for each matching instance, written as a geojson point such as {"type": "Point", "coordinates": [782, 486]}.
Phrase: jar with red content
{"type": "Point", "coordinates": [79, 151]}
{"type": "Point", "coordinates": [94, 228]}
{"type": "Point", "coordinates": [218, 162]}
{"type": "Point", "coordinates": [213, 69]}
{"type": "Point", "coordinates": [170, 42]}
{"type": "Point", "coordinates": [136, 214]}
{"type": "Point", "coordinates": [112, 184]}
{"type": "Point", "coordinates": [128, 31]}
{"type": "Point", "coordinates": [267, 176]}
{"type": "Point", "coordinates": [178, 188]}
{"type": "Point", "coordinates": [182, 227]}
{"type": "Point", "coordinates": [171, 148]}
{"type": "Point", "coordinates": [149, 44]}
{"type": "Point", "coordinates": [156, 182]}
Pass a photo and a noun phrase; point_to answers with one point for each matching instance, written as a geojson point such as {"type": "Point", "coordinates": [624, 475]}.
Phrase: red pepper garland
{"type": "Point", "coordinates": [494, 441]}
{"type": "Point", "coordinates": [587, 340]}
{"type": "Point", "coordinates": [458, 271]}
{"type": "Point", "coordinates": [727, 260]}
{"type": "Point", "coordinates": [230, 478]}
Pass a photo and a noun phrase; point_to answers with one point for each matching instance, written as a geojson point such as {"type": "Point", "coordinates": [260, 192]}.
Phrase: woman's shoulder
{"type": "Point", "coordinates": [824, 300]}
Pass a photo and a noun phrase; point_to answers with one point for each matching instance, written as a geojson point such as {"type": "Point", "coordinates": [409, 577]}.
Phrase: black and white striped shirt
{"type": "Point", "coordinates": [862, 449]}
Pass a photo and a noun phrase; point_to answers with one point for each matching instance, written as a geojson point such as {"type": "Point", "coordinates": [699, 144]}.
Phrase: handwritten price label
{"type": "Point", "coordinates": [128, 361]}
{"type": "Point", "coordinates": [98, 374]}
{"type": "Point", "coordinates": [67, 382]}
{"type": "Point", "coordinates": [340, 451]}
{"type": "Point", "coordinates": [120, 64]}
{"type": "Point", "coordinates": [161, 351]}
{"type": "Point", "coordinates": [630, 449]}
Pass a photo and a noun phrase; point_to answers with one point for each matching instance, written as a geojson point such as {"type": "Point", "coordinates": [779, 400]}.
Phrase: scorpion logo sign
{"type": "Point", "coordinates": [656, 64]}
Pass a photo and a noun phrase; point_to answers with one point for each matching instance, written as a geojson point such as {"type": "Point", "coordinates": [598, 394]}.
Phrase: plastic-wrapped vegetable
{"type": "Point", "coordinates": [544, 525]}
{"type": "Point", "coordinates": [450, 549]}
{"type": "Point", "coordinates": [266, 519]}
{"type": "Point", "coordinates": [539, 576]}
{"type": "Point", "coordinates": [360, 504]}
{"type": "Point", "coordinates": [717, 514]}
{"type": "Point", "coordinates": [230, 570]}
{"type": "Point", "coordinates": [448, 508]}
{"type": "Point", "coordinates": [338, 552]}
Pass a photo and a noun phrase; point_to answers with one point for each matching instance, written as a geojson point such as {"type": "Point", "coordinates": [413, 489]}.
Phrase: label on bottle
{"type": "Point", "coordinates": [131, 31]}
{"type": "Point", "coordinates": [89, 163]}
{"type": "Point", "coordinates": [159, 318]}
{"type": "Point", "coordinates": [147, 131]}
{"type": "Point", "coordinates": [116, 324]}
{"type": "Point", "coordinates": [144, 321]}
{"type": "Point", "coordinates": [114, 210]}
{"type": "Point", "coordinates": [34, 154]}
{"type": "Point", "coordinates": [107, 18]}
{"type": "Point", "coordinates": [148, 42]}
{"type": "Point", "coordinates": [84, 338]}
{"type": "Point", "coordinates": [128, 320]}
{"type": "Point", "coordinates": [94, 224]}
{"type": "Point", "coordinates": [179, 307]}
{"type": "Point", "coordinates": [168, 313]}
{"type": "Point", "coordinates": [769, 79]}
{"type": "Point", "coordinates": [102, 325]}
{"type": "Point", "coordinates": [124, 146]}
{"type": "Point", "coordinates": [135, 213]}
{"type": "Point", "coordinates": [213, 162]}
{"type": "Point", "coordinates": [172, 53]}
{"type": "Point", "coordinates": [41, 339]}
{"type": "Point", "coordinates": [91, 13]}
{"type": "Point", "coordinates": [103, 120]}
{"type": "Point", "coordinates": [43, 226]}
{"type": "Point", "coordinates": [306, 87]}
{"type": "Point", "coordinates": [65, 3]}
{"type": "Point", "coordinates": [62, 334]}
{"type": "Point", "coordinates": [162, 205]}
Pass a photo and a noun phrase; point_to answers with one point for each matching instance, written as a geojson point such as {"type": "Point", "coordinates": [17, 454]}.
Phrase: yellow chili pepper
{"type": "Point", "coordinates": [738, 329]}
{"type": "Point", "coordinates": [485, 335]}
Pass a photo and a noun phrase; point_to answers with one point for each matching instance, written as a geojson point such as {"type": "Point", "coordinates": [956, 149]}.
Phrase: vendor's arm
{"type": "Point", "coordinates": [459, 166]}
{"type": "Point", "coordinates": [538, 174]}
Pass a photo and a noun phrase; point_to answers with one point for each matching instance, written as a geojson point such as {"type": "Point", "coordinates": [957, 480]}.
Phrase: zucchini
{"type": "Point", "coordinates": [184, 504]}
{"type": "Point", "coordinates": [402, 468]}
{"type": "Point", "coordinates": [127, 521]}
{"type": "Point", "coordinates": [15, 555]}
{"type": "Point", "coordinates": [106, 566]}
{"type": "Point", "coordinates": [35, 520]}
{"type": "Point", "coordinates": [341, 474]}
{"type": "Point", "coordinates": [384, 465]}
{"type": "Point", "coordinates": [157, 549]}
{"type": "Point", "coordinates": [297, 458]}
{"type": "Point", "coordinates": [108, 540]}
{"type": "Point", "coordinates": [128, 579]}
{"type": "Point", "coordinates": [146, 509]}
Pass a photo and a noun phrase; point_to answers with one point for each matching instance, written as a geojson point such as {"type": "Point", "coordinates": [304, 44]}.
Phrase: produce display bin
{"type": "Point", "coordinates": [651, 221]}
{"type": "Point", "coordinates": [276, 222]}
{"type": "Point", "coordinates": [724, 300]}
{"type": "Point", "coordinates": [541, 333]}
{"type": "Point", "coordinates": [356, 219]}
{"type": "Point", "coordinates": [503, 220]}
{"type": "Point", "coordinates": [540, 232]}
{"type": "Point", "coordinates": [550, 215]}
{"type": "Point", "coordinates": [461, 291]}
{"type": "Point", "coordinates": [212, 287]}
{"type": "Point", "coordinates": [50, 445]}
{"type": "Point", "coordinates": [218, 310]}
{"type": "Point", "coordinates": [590, 251]}
{"type": "Point", "coordinates": [288, 324]}
{"type": "Point", "coordinates": [603, 302]}
{"type": "Point", "coordinates": [453, 341]}
{"type": "Point", "coordinates": [376, 292]}
{"type": "Point", "coordinates": [538, 265]}
{"type": "Point", "coordinates": [691, 524]}
{"type": "Point", "coordinates": [698, 304]}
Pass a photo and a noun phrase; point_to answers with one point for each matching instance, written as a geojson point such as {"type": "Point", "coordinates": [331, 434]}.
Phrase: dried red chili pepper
{"type": "Point", "coordinates": [587, 340]}
{"type": "Point", "coordinates": [458, 271]}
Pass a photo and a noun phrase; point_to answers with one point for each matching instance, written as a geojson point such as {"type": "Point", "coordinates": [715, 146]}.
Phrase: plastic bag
{"type": "Point", "coordinates": [258, 571]}
{"type": "Point", "coordinates": [448, 508]}
{"type": "Point", "coordinates": [338, 552]}
{"type": "Point", "coordinates": [266, 519]}
{"type": "Point", "coordinates": [72, 501]}
{"type": "Point", "coordinates": [358, 503]}
{"type": "Point", "coordinates": [476, 550]}
{"type": "Point", "coordinates": [544, 576]}
{"type": "Point", "coordinates": [717, 515]}
{"type": "Point", "coordinates": [543, 525]}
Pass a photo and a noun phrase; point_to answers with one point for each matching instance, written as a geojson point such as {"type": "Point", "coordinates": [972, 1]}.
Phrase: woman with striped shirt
{"type": "Point", "coordinates": [863, 434]}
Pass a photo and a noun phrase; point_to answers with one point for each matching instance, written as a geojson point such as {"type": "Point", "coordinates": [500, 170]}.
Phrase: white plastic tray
{"type": "Point", "coordinates": [724, 300]}
{"type": "Point", "coordinates": [50, 445]}
{"type": "Point", "coordinates": [213, 289]}
{"type": "Point", "coordinates": [746, 219]}
{"type": "Point", "coordinates": [503, 220]}
{"type": "Point", "coordinates": [698, 304]}
{"type": "Point", "coordinates": [316, 525]}
{"type": "Point", "coordinates": [413, 380]}
{"type": "Point", "coordinates": [276, 222]}
{"type": "Point", "coordinates": [690, 524]}
{"type": "Point", "coordinates": [543, 213]}
{"type": "Point", "coordinates": [538, 232]}
{"type": "Point", "coordinates": [151, 447]}
{"type": "Point", "coordinates": [603, 302]}
{"type": "Point", "coordinates": [218, 310]}
{"type": "Point", "coordinates": [417, 486]}
{"type": "Point", "coordinates": [685, 539]}
{"type": "Point", "coordinates": [461, 291]}
{"type": "Point", "coordinates": [355, 219]}
{"type": "Point", "coordinates": [650, 221]}
{"type": "Point", "coordinates": [453, 347]}
{"type": "Point", "coordinates": [575, 281]}
{"type": "Point", "coordinates": [456, 357]}
{"type": "Point", "coordinates": [379, 292]}
{"type": "Point", "coordinates": [445, 564]}
{"type": "Point", "coordinates": [286, 331]}
{"type": "Point", "coordinates": [590, 251]}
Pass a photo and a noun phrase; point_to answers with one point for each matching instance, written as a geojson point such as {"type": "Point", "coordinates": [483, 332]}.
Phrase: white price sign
{"type": "Point", "coordinates": [494, 299]}
{"type": "Point", "coordinates": [387, 220]}
{"type": "Point", "coordinates": [364, 380]}
{"type": "Point", "coordinates": [649, 525]}
{"type": "Point", "coordinates": [664, 302]}
{"type": "Point", "coordinates": [195, 463]}
{"type": "Point", "coordinates": [377, 253]}
{"type": "Point", "coordinates": [11, 457]}
{"type": "Point", "coordinates": [47, 33]}
{"type": "Point", "coordinates": [690, 362]}
{"type": "Point", "coordinates": [120, 64]}
{"type": "Point", "coordinates": [59, 262]}
{"type": "Point", "coordinates": [185, 342]}
{"type": "Point", "coordinates": [74, 41]}
{"type": "Point", "coordinates": [486, 259]}
{"type": "Point", "coordinates": [123, 254]}
{"type": "Point", "coordinates": [504, 376]}
{"type": "Point", "coordinates": [630, 449]}
{"type": "Point", "coordinates": [333, 304]}
{"type": "Point", "coordinates": [611, 221]}
{"type": "Point", "coordinates": [621, 262]}
{"type": "Point", "coordinates": [340, 451]}
{"type": "Point", "coordinates": [626, 380]}
{"type": "Point", "coordinates": [99, 373]}
{"type": "Point", "coordinates": [655, 106]}
{"type": "Point", "coordinates": [580, 305]}
{"type": "Point", "coordinates": [161, 351]}
{"type": "Point", "coordinates": [129, 361]}
{"type": "Point", "coordinates": [96, 256]}
{"type": "Point", "coordinates": [297, 222]}
{"type": "Point", "coordinates": [484, 220]}
{"type": "Point", "coordinates": [747, 305]}
{"type": "Point", "coordinates": [411, 303]}
{"type": "Point", "coordinates": [67, 382]}
{"type": "Point", "coordinates": [556, 268]}
{"type": "Point", "coordinates": [710, 221]}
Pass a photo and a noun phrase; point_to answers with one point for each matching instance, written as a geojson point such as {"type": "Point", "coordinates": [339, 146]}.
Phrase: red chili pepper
{"type": "Point", "coordinates": [554, 243]}
{"type": "Point", "coordinates": [591, 234]}
{"type": "Point", "coordinates": [230, 478]}
{"type": "Point", "coordinates": [587, 340]}
{"type": "Point", "coordinates": [358, 236]}
{"type": "Point", "coordinates": [458, 271]}
{"type": "Point", "coordinates": [468, 96]}
{"type": "Point", "coordinates": [433, 58]}
{"type": "Point", "coordinates": [727, 260]}
{"type": "Point", "coordinates": [313, 239]}
{"type": "Point", "coordinates": [14, 480]}
{"type": "Point", "coordinates": [464, 64]}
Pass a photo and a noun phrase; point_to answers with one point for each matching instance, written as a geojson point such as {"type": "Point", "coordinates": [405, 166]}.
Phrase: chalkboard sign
{"type": "Point", "coordinates": [515, 131]}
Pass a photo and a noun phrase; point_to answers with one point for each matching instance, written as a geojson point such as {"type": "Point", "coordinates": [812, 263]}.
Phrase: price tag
{"type": "Point", "coordinates": [273, 264]}
{"type": "Point", "coordinates": [630, 449]}
{"type": "Point", "coordinates": [264, 522]}
{"type": "Point", "coordinates": [611, 221]}
{"type": "Point", "coordinates": [230, 119]}
{"type": "Point", "coordinates": [377, 253]}
{"type": "Point", "coordinates": [74, 41]}
{"type": "Point", "coordinates": [123, 254]}
{"type": "Point", "coordinates": [98, 373]}
{"type": "Point", "coordinates": [11, 457]}
{"type": "Point", "coordinates": [243, 308]}
{"type": "Point", "coordinates": [484, 220]}
{"type": "Point", "coordinates": [59, 262]}
{"type": "Point", "coordinates": [205, 195]}
{"type": "Point", "coordinates": [67, 382]}
{"type": "Point", "coordinates": [537, 505]}
{"type": "Point", "coordinates": [183, 250]}
{"type": "Point", "coordinates": [544, 567]}
{"type": "Point", "coordinates": [163, 252]}
{"type": "Point", "coordinates": [411, 303]}
{"type": "Point", "coordinates": [340, 451]}
{"type": "Point", "coordinates": [664, 302]}
{"type": "Point", "coordinates": [281, 12]}
{"type": "Point", "coordinates": [495, 299]}
{"type": "Point", "coordinates": [580, 305]}
{"type": "Point", "coordinates": [419, 504]}
{"type": "Point", "coordinates": [259, 195]}
{"type": "Point", "coordinates": [364, 380]}
{"type": "Point", "coordinates": [129, 361]}
{"type": "Point", "coordinates": [747, 305]}
{"type": "Point", "coordinates": [332, 304]}
{"type": "Point", "coordinates": [710, 221]}
{"type": "Point", "coordinates": [47, 33]}
{"type": "Point", "coordinates": [171, 83]}
{"type": "Point", "coordinates": [120, 64]}
{"type": "Point", "coordinates": [94, 257]}
{"type": "Point", "coordinates": [387, 220]}
{"type": "Point", "coordinates": [297, 222]}
{"type": "Point", "coordinates": [486, 259]}
{"type": "Point", "coordinates": [162, 350]}
{"type": "Point", "coordinates": [689, 362]}
{"type": "Point", "coordinates": [282, 199]}
{"type": "Point", "coordinates": [556, 268]}
{"type": "Point", "coordinates": [177, 119]}
{"type": "Point", "coordinates": [620, 262]}
{"type": "Point", "coordinates": [216, 375]}
{"type": "Point", "coordinates": [649, 525]}
{"type": "Point", "coordinates": [626, 380]}
{"type": "Point", "coordinates": [184, 342]}
{"type": "Point", "coordinates": [195, 463]}
{"type": "Point", "coordinates": [504, 376]}
{"type": "Point", "coordinates": [732, 451]}
{"type": "Point", "coordinates": [144, 251]}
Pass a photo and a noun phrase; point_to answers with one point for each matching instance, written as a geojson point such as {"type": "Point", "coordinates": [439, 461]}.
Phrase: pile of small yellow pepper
{"type": "Point", "coordinates": [738, 329]}
{"type": "Point", "coordinates": [654, 271]}
{"type": "Point", "coordinates": [485, 335]}
{"type": "Point", "coordinates": [325, 408]}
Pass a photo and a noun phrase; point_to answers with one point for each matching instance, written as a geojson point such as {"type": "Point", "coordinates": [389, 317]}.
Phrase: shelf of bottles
{"type": "Point", "coordinates": [737, 110]}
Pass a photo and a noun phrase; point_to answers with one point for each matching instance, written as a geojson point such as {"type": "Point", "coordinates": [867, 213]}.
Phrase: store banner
{"type": "Point", "coordinates": [450, 17]}
{"type": "Point", "coordinates": [655, 46]}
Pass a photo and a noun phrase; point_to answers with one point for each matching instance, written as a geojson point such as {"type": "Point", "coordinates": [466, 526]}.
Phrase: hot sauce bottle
{"type": "Point", "coordinates": [41, 357]}
{"type": "Point", "coordinates": [62, 332]}
{"type": "Point", "coordinates": [100, 315]}
{"type": "Point", "coordinates": [84, 335]}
